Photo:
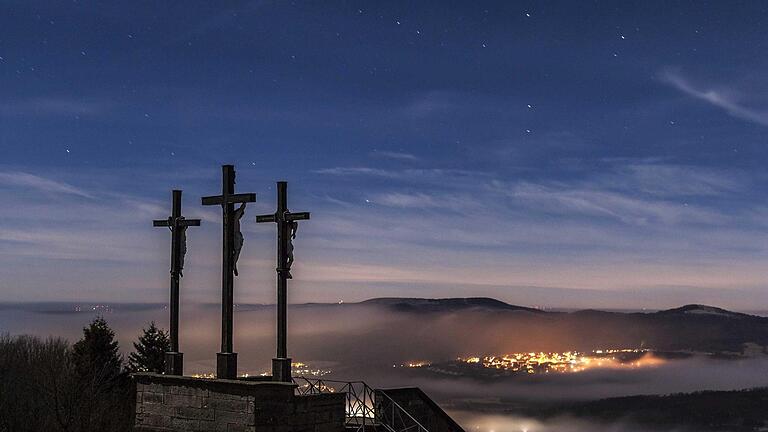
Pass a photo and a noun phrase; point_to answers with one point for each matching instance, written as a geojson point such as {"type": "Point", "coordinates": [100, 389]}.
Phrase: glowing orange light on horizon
{"type": "Point", "coordinates": [565, 362]}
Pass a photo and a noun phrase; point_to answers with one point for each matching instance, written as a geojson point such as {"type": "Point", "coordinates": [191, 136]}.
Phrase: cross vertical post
{"type": "Point", "coordinates": [174, 360]}
{"type": "Point", "coordinates": [226, 359]}
{"type": "Point", "coordinates": [227, 279]}
{"type": "Point", "coordinates": [286, 231]}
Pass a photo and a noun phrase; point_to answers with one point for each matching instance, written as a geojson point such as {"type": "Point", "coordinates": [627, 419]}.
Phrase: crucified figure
{"type": "Point", "coordinates": [183, 249]}
{"type": "Point", "coordinates": [294, 226]}
{"type": "Point", "coordinates": [238, 245]}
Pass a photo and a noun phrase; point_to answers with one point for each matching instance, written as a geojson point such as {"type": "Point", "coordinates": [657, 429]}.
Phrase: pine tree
{"type": "Point", "coordinates": [103, 389]}
{"type": "Point", "coordinates": [97, 352]}
{"type": "Point", "coordinates": [150, 351]}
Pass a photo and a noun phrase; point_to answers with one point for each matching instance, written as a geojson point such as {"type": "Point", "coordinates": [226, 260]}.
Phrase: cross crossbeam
{"type": "Point", "coordinates": [229, 199]}
{"type": "Point", "coordinates": [289, 217]}
{"type": "Point", "coordinates": [173, 223]}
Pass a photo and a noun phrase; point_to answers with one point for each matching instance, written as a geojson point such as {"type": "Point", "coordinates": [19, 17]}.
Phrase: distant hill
{"type": "Point", "coordinates": [697, 309]}
{"type": "Point", "coordinates": [445, 304]}
{"type": "Point", "coordinates": [487, 323]}
{"type": "Point", "coordinates": [690, 327]}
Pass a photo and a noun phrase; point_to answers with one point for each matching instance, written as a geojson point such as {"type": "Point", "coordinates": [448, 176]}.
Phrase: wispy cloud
{"type": "Point", "coordinates": [412, 174]}
{"type": "Point", "coordinates": [635, 193]}
{"type": "Point", "coordinates": [404, 200]}
{"type": "Point", "coordinates": [450, 201]}
{"type": "Point", "coordinates": [48, 106]}
{"type": "Point", "coordinates": [26, 180]}
{"type": "Point", "coordinates": [573, 201]}
{"type": "Point", "coordinates": [670, 180]}
{"type": "Point", "coordinates": [395, 155]}
{"type": "Point", "coordinates": [345, 171]}
{"type": "Point", "coordinates": [717, 98]}
{"type": "Point", "coordinates": [631, 192]}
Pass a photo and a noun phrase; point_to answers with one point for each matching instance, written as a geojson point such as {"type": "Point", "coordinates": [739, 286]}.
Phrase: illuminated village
{"type": "Point", "coordinates": [544, 363]}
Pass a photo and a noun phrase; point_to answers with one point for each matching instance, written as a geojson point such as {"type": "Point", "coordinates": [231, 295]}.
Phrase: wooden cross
{"type": "Point", "coordinates": [226, 360]}
{"type": "Point", "coordinates": [286, 230]}
{"type": "Point", "coordinates": [174, 360]}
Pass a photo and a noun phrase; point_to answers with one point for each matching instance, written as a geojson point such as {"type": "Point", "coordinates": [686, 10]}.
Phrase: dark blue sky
{"type": "Point", "coordinates": [546, 153]}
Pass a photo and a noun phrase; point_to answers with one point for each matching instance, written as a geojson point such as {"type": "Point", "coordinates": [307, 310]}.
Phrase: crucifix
{"type": "Point", "coordinates": [232, 242]}
{"type": "Point", "coordinates": [286, 231]}
{"type": "Point", "coordinates": [174, 360]}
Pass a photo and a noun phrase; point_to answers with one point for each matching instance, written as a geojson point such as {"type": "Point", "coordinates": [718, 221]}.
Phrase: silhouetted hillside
{"type": "Point", "coordinates": [687, 328]}
{"type": "Point", "coordinates": [696, 309]}
{"type": "Point", "coordinates": [446, 304]}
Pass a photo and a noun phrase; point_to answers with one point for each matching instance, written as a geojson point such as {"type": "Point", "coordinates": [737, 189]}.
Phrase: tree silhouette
{"type": "Point", "coordinates": [150, 349]}
{"type": "Point", "coordinates": [46, 386]}
{"type": "Point", "coordinates": [97, 353]}
{"type": "Point", "coordinates": [103, 386]}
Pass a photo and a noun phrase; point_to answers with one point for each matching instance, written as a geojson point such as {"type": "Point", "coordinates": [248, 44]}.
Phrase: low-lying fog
{"type": "Point", "coordinates": [475, 422]}
{"type": "Point", "coordinates": [361, 343]}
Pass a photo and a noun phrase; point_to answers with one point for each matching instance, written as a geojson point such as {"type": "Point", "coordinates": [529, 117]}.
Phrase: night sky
{"type": "Point", "coordinates": [562, 154]}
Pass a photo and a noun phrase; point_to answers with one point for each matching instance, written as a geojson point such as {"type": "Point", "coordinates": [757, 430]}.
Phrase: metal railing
{"type": "Point", "coordinates": [367, 408]}
{"type": "Point", "coordinates": [394, 417]}
{"type": "Point", "coordinates": [360, 398]}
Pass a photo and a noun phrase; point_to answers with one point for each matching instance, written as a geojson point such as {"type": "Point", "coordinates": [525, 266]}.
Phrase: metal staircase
{"type": "Point", "coordinates": [368, 409]}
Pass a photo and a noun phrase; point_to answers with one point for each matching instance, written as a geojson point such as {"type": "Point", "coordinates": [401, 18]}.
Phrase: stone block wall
{"type": "Point", "coordinates": [172, 403]}
{"type": "Point", "coordinates": [321, 412]}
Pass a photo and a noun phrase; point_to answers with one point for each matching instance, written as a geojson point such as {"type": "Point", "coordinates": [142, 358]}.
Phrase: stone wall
{"type": "Point", "coordinates": [316, 413]}
{"type": "Point", "coordinates": [173, 403]}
